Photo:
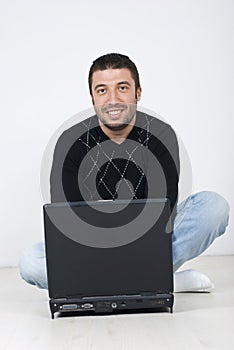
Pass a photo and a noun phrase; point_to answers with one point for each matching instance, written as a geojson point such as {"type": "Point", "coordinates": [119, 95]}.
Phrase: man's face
{"type": "Point", "coordinates": [115, 97]}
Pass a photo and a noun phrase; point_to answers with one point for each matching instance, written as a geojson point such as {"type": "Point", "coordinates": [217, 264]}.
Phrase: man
{"type": "Point", "coordinates": [123, 153]}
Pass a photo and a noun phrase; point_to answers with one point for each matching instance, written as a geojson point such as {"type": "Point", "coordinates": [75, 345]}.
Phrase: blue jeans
{"type": "Point", "coordinates": [200, 219]}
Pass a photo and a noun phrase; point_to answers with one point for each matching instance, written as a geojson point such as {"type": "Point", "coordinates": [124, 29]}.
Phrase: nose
{"type": "Point", "coordinates": [113, 96]}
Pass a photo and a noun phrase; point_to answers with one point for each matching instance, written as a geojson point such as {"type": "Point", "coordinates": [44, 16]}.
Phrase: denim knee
{"type": "Point", "coordinates": [32, 266]}
{"type": "Point", "coordinates": [216, 209]}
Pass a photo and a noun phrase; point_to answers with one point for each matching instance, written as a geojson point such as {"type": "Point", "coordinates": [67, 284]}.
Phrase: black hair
{"type": "Point", "coordinates": [113, 61]}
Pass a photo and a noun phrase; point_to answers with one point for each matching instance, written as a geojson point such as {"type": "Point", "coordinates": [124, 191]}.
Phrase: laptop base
{"type": "Point", "coordinates": [111, 304]}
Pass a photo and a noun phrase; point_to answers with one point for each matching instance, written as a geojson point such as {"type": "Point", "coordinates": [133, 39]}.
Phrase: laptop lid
{"type": "Point", "coordinates": [108, 248]}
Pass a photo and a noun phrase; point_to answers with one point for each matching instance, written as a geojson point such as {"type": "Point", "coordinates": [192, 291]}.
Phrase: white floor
{"type": "Point", "coordinates": [199, 321]}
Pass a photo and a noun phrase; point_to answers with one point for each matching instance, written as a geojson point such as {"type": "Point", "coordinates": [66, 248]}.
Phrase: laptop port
{"type": "Point", "coordinates": [68, 307]}
{"type": "Point", "coordinates": [114, 305]}
{"type": "Point", "coordinates": [87, 306]}
{"type": "Point", "coordinates": [104, 306]}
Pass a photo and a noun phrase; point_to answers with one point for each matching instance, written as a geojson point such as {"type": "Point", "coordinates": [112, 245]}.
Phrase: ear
{"type": "Point", "coordinates": [138, 94]}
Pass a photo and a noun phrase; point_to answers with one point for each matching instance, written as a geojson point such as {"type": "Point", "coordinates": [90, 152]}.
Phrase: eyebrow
{"type": "Point", "coordinates": [120, 83]}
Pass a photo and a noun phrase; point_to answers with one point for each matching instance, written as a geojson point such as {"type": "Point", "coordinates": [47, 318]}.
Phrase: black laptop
{"type": "Point", "coordinates": [109, 256]}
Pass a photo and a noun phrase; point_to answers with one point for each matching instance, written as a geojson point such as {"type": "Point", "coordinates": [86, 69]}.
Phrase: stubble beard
{"type": "Point", "coordinates": [117, 126]}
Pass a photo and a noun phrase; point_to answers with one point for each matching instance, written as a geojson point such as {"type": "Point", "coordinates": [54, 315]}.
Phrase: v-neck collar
{"type": "Point", "coordinates": [104, 136]}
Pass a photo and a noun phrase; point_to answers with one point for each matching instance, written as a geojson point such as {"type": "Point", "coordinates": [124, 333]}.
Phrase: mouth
{"type": "Point", "coordinates": [114, 113]}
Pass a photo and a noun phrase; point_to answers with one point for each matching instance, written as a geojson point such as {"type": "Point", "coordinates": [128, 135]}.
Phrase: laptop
{"type": "Point", "coordinates": [109, 256]}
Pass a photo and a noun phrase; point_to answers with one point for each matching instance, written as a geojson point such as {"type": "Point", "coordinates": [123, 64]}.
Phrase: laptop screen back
{"type": "Point", "coordinates": [131, 262]}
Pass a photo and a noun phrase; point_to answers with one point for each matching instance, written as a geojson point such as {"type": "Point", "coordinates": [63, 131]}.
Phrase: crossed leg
{"type": "Point", "coordinates": [200, 219]}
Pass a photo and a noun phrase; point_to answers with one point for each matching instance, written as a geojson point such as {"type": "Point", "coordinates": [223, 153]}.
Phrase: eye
{"type": "Point", "coordinates": [123, 88]}
{"type": "Point", "coordinates": [101, 91]}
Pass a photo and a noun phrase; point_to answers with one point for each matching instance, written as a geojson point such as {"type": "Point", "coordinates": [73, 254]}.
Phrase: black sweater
{"type": "Point", "coordinates": [87, 165]}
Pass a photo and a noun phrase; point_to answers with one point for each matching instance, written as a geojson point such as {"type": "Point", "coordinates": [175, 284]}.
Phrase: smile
{"type": "Point", "coordinates": [115, 112]}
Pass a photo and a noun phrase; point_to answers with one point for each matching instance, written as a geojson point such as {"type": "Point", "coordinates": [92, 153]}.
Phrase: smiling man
{"type": "Point", "coordinates": [115, 95]}
{"type": "Point", "coordinates": [126, 154]}
{"type": "Point", "coordinates": [110, 158]}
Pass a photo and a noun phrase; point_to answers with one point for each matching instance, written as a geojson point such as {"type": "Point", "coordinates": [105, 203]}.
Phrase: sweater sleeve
{"type": "Point", "coordinates": [164, 146]}
{"type": "Point", "coordinates": [68, 155]}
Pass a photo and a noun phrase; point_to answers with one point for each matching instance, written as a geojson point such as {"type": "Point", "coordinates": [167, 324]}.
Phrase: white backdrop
{"type": "Point", "coordinates": [184, 52]}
